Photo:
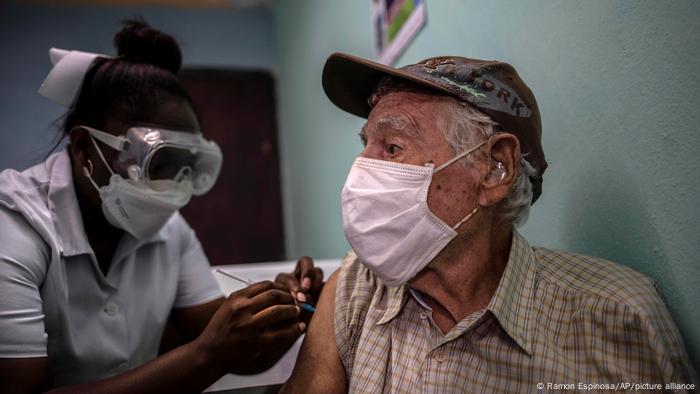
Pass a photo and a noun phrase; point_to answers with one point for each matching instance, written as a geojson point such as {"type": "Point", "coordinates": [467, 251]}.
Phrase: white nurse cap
{"type": "Point", "coordinates": [63, 83]}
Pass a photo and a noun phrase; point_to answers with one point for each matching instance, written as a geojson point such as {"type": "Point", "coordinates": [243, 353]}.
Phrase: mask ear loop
{"type": "Point", "coordinates": [452, 160]}
{"type": "Point", "coordinates": [89, 172]}
{"type": "Point", "coordinates": [459, 156]}
{"type": "Point", "coordinates": [88, 175]}
{"type": "Point", "coordinates": [456, 226]}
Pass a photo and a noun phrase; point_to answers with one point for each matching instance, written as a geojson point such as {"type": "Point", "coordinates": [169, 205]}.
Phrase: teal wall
{"type": "Point", "coordinates": [619, 95]}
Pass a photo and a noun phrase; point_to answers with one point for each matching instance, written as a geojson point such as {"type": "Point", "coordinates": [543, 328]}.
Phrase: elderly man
{"type": "Point", "coordinates": [441, 293]}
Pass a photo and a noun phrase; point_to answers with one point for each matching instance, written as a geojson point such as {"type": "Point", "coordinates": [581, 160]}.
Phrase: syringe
{"type": "Point", "coordinates": [249, 282]}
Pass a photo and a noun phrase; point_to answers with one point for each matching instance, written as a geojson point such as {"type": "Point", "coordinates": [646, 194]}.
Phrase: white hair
{"type": "Point", "coordinates": [467, 128]}
{"type": "Point", "coordinates": [464, 127]}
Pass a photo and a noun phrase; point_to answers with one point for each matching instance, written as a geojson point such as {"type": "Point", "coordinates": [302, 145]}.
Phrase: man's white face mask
{"type": "Point", "coordinates": [387, 220]}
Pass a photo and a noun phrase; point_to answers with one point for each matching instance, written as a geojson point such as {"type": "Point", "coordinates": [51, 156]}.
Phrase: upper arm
{"type": "Point", "coordinates": [24, 367]}
{"type": "Point", "coordinates": [632, 338]}
{"type": "Point", "coordinates": [662, 335]}
{"type": "Point", "coordinates": [318, 367]}
{"type": "Point", "coordinates": [198, 294]}
{"type": "Point", "coordinates": [191, 321]}
{"type": "Point", "coordinates": [651, 337]}
{"type": "Point", "coordinates": [24, 260]}
{"type": "Point", "coordinates": [196, 283]}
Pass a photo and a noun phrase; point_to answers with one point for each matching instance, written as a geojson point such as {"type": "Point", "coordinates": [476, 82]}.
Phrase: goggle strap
{"type": "Point", "coordinates": [113, 141]}
{"type": "Point", "coordinates": [99, 152]}
{"type": "Point", "coordinates": [459, 156]}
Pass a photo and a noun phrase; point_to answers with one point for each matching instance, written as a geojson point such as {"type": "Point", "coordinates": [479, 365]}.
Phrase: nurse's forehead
{"type": "Point", "coordinates": [174, 114]}
{"type": "Point", "coordinates": [178, 115]}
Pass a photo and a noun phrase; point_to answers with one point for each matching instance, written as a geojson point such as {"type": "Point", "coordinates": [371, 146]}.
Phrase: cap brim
{"type": "Point", "coordinates": [349, 81]}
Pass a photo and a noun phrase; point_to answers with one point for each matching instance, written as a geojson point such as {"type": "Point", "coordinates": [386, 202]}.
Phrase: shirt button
{"type": "Point", "coordinates": [111, 309]}
{"type": "Point", "coordinates": [440, 357]}
{"type": "Point", "coordinates": [423, 315]}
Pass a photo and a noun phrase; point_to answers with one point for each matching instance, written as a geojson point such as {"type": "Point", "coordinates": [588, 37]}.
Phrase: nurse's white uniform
{"type": "Point", "coordinates": [54, 299]}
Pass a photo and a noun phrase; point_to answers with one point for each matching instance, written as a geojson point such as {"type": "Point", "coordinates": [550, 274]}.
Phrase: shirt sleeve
{"type": "Point", "coordinates": [196, 283]}
{"type": "Point", "coordinates": [24, 258]}
{"type": "Point", "coordinates": [664, 338]}
{"type": "Point", "coordinates": [633, 341]}
{"type": "Point", "coordinates": [353, 295]}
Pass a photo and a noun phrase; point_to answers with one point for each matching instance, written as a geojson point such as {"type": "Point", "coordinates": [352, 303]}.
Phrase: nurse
{"type": "Point", "coordinates": [95, 258]}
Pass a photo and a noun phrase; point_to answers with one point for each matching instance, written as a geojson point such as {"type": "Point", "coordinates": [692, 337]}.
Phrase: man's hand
{"type": "Point", "coordinates": [305, 283]}
{"type": "Point", "coordinates": [252, 330]}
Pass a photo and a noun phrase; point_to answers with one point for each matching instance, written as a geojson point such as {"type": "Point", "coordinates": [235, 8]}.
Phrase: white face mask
{"type": "Point", "coordinates": [387, 220]}
{"type": "Point", "coordinates": [138, 207]}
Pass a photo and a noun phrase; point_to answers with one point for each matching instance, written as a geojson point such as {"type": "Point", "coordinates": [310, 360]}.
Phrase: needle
{"type": "Point", "coordinates": [245, 281]}
{"type": "Point", "coordinates": [234, 276]}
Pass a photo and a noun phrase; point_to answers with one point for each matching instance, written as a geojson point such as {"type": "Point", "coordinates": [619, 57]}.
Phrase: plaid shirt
{"type": "Point", "coordinates": [557, 321]}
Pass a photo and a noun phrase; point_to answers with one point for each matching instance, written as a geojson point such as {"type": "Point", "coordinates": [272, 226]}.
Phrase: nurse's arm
{"type": "Point", "coordinates": [185, 324]}
{"type": "Point", "coordinates": [190, 322]}
{"type": "Point", "coordinates": [239, 328]}
{"type": "Point", "coordinates": [318, 368]}
{"type": "Point", "coordinates": [181, 370]}
{"type": "Point", "coordinates": [24, 375]}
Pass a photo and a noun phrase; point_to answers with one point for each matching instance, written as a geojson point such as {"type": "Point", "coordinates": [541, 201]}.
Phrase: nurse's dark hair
{"type": "Point", "coordinates": [135, 82]}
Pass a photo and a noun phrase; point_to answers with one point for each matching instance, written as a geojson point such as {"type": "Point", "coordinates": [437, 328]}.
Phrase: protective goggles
{"type": "Point", "coordinates": [150, 153]}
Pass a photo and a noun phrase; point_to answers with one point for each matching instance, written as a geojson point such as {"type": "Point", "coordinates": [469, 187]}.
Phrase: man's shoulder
{"type": "Point", "coordinates": [359, 291]}
{"type": "Point", "coordinates": [356, 279]}
{"type": "Point", "coordinates": [596, 277]}
{"type": "Point", "coordinates": [614, 307]}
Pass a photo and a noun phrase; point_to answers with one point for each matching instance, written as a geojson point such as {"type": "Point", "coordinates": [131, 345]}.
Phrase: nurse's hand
{"type": "Point", "coordinates": [305, 283]}
{"type": "Point", "coordinates": [253, 329]}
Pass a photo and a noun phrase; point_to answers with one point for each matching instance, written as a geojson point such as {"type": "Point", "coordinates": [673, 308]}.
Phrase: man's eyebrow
{"type": "Point", "coordinates": [400, 123]}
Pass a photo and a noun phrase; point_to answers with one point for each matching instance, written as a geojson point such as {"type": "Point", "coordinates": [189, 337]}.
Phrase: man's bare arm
{"type": "Point", "coordinates": [318, 368]}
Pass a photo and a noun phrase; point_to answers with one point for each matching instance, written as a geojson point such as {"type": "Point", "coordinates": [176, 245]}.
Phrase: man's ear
{"type": "Point", "coordinates": [503, 152]}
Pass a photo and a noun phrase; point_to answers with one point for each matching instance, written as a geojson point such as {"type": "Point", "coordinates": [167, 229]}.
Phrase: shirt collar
{"type": "Point", "coordinates": [65, 211]}
{"type": "Point", "coordinates": [397, 297]}
{"type": "Point", "coordinates": [513, 301]}
{"type": "Point", "coordinates": [511, 304]}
